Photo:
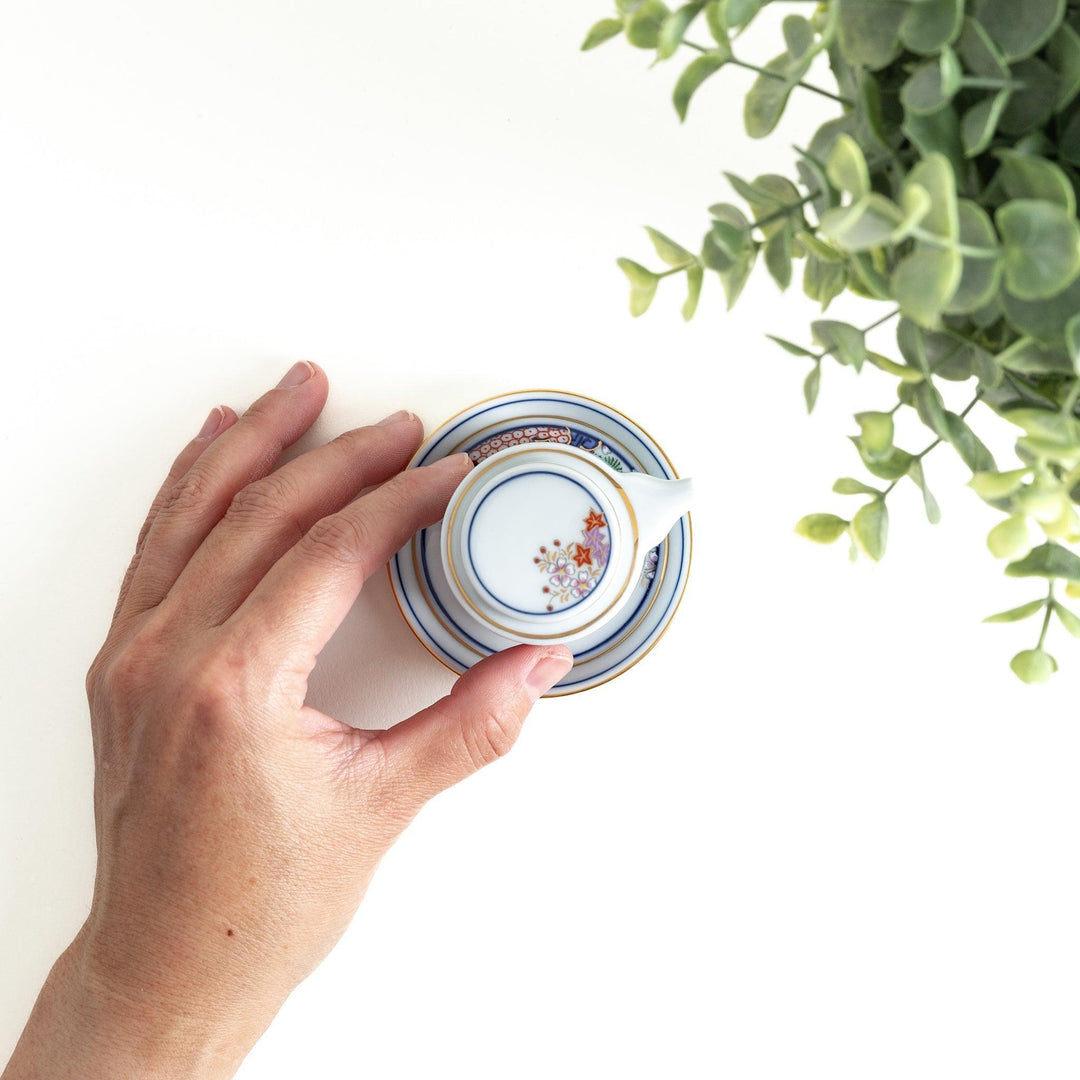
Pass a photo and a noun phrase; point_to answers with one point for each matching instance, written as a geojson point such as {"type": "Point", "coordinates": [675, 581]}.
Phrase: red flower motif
{"type": "Point", "coordinates": [595, 520]}
{"type": "Point", "coordinates": [582, 555]}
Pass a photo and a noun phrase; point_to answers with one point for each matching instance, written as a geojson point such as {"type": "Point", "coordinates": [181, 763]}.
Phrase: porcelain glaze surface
{"type": "Point", "coordinates": [569, 546]}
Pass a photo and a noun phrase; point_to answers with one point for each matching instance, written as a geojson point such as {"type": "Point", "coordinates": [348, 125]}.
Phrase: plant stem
{"type": "Point", "coordinates": [1049, 612]}
{"type": "Point", "coordinates": [937, 442]}
{"type": "Point", "coordinates": [1068, 406]}
{"type": "Point", "coordinates": [951, 245]}
{"type": "Point", "coordinates": [786, 209]}
{"type": "Point", "coordinates": [776, 75]}
{"type": "Point", "coordinates": [805, 85]}
{"type": "Point", "coordinates": [818, 357]}
{"type": "Point", "coordinates": [979, 83]}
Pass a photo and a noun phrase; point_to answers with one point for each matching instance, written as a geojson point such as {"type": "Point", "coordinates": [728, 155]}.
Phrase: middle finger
{"type": "Point", "coordinates": [269, 516]}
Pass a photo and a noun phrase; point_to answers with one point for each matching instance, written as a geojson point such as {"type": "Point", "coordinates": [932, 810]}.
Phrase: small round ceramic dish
{"type": "Point", "coordinates": [558, 534]}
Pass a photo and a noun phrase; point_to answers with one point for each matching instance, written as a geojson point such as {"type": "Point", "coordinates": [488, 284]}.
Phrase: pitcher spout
{"type": "Point", "coordinates": [658, 504]}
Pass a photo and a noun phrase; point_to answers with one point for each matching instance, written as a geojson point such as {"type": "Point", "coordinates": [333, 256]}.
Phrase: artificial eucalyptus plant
{"type": "Point", "coordinates": [945, 187]}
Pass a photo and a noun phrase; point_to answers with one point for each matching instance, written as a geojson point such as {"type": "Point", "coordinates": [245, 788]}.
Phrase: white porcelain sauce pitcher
{"type": "Point", "coordinates": [543, 543]}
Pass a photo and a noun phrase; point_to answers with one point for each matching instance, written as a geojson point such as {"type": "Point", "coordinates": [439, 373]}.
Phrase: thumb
{"type": "Point", "coordinates": [477, 722]}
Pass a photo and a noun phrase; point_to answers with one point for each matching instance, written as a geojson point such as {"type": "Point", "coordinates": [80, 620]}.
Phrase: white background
{"type": "Point", "coordinates": [821, 831]}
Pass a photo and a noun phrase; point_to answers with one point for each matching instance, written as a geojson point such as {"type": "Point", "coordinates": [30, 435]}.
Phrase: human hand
{"type": "Point", "coordinates": [237, 828]}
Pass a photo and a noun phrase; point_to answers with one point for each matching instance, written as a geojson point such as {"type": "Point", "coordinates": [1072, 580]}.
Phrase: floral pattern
{"type": "Point", "coordinates": [572, 570]}
{"type": "Point", "coordinates": [648, 571]}
{"type": "Point", "coordinates": [569, 581]}
{"type": "Point", "coordinates": [516, 437]}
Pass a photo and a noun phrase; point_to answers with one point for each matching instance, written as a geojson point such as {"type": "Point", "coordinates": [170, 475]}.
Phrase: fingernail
{"type": "Point", "coordinates": [395, 418]}
{"type": "Point", "coordinates": [547, 672]}
{"type": "Point", "coordinates": [298, 374]}
{"type": "Point", "coordinates": [213, 423]}
{"type": "Point", "coordinates": [453, 463]}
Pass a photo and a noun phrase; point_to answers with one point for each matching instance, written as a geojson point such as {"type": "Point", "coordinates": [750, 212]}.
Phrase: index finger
{"type": "Point", "coordinates": [295, 609]}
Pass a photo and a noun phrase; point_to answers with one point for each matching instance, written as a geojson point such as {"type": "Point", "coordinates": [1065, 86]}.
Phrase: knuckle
{"type": "Point", "coordinates": [488, 738]}
{"type": "Point", "coordinates": [342, 538]}
{"type": "Point", "coordinates": [351, 441]}
{"type": "Point", "coordinates": [211, 698]}
{"type": "Point", "coordinates": [122, 678]}
{"type": "Point", "coordinates": [398, 495]}
{"type": "Point", "coordinates": [266, 500]}
{"type": "Point", "coordinates": [192, 492]}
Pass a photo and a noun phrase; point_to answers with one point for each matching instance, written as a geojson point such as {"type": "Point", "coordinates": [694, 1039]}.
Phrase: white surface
{"type": "Point", "coordinates": [820, 831]}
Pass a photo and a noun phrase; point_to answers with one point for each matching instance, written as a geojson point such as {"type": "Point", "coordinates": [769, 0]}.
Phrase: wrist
{"type": "Point", "coordinates": [84, 1026]}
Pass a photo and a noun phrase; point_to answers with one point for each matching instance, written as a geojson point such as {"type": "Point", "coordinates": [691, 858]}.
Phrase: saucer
{"type": "Point", "coordinates": [428, 600]}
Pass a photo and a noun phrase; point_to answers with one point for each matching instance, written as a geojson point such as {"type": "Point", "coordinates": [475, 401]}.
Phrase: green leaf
{"type": "Point", "coordinates": [735, 279]}
{"type": "Point", "coordinates": [644, 22]}
{"type": "Point", "coordinates": [798, 35]}
{"type": "Point", "coordinates": [695, 275]}
{"type": "Point", "coordinates": [1033, 666]}
{"type": "Point", "coordinates": [847, 169]}
{"type": "Point", "coordinates": [877, 434]}
{"type": "Point", "coordinates": [817, 247]}
{"type": "Point", "coordinates": [642, 285]}
{"type": "Point", "coordinates": [667, 249]}
{"type": "Point", "coordinates": [1047, 424]}
{"type": "Point", "coordinates": [768, 96]}
{"type": "Point", "coordinates": [714, 19]}
{"type": "Point", "coordinates": [695, 73]}
{"type": "Point", "coordinates": [734, 273]}
{"type": "Point", "coordinates": [730, 239]}
{"type": "Point", "coordinates": [891, 468]}
{"type": "Point", "coordinates": [772, 196]}
{"type": "Point", "coordinates": [980, 278]}
{"type": "Point", "coordinates": [925, 283]}
{"type": "Point", "coordinates": [1024, 611]}
{"type": "Point", "coordinates": [931, 410]}
{"type": "Point", "coordinates": [738, 13]}
{"type": "Point", "coordinates": [1048, 560]}
{"type": "Point", "coordinates": [1031, 106]}
{"type": "Point", "coordinates": [1067, 619]}
{"type": "Point", "coordinates": [968, 445]}
{"type": "Point", "coordinates": [729, 219]}
{"type": "Point", "coordinates": [870, 33]}
{"type": "Point", "coordinates": [1026, 176]}
{"type": "Point", "coordinates": [871, 222]}
{"type": "Point", "coordinates": [1072, 342]}
{"type": "Point", "coordinates": [1030, 357]}
{"type": "Point", "coordinates": [778, 255]}
{"type": "Point", "coordinates": [1064, 56]}
{"type": "Point", "coordinates": [1019, 29]}
{"type": "Point", "coordinates": [979, 54]}
{"type": "Point", "coordinates": [1042, 248]}
{"type": "Point", "coordinates": [883, 363]}
{"type": "Point", "coordinates": [822, 528]}
{"type": "Point", "coordinates": [1044, 319]}
{"type": "Point", "coordinates": [673, 29]}
{"type": "Point", "coordinates": [937, 133]}
{"type": "Point", "coordinates": [930, 504]}
{"type": "Point", "coordinates": [811, 387]}
{"type": "Point", "coordinates": [929, 25]}
{"type": "Point", "coordinates": [846, 343]}
{"type": "Point", "coordinates": [932, 85]}
{"type": "Point", "coordinates": [1009, 539]}
{"type": "Point", "coordinates": [824, 281]}
{"type": "Point", "coordinates": [980, 122]}
{"type": "Point", "coordinates": [791, 347]}
{"type": "Point", "coordinates": [935, 174]}
{"type": "Point", "coordinates": [870, 529]}
{"type": "Point", "coordinates": [602, 31]}
{"type": "Point", "coordinates": [992, 486]}
{"type": "Point", "coordinates": [847, 485]}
